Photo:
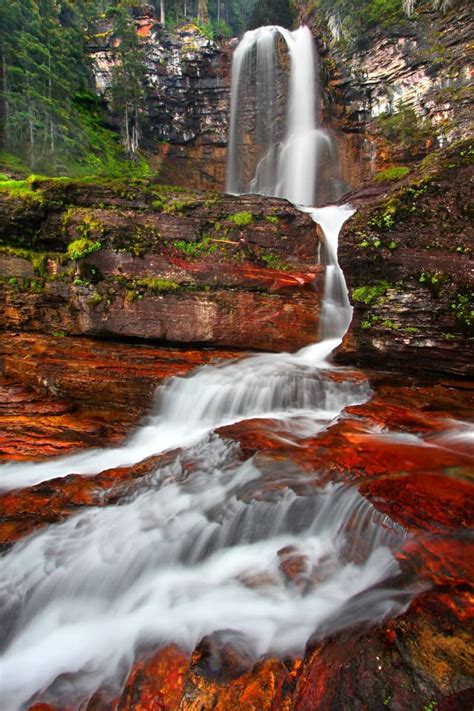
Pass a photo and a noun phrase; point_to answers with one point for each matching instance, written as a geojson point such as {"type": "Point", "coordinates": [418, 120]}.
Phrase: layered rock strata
{"type": "Point", "coordinates": [407, 257]}
{"type": "Point", "coordinates": [140, 261]}
{"type": "Point", "coordinates": [424, 63]}
{"type": "Point", "coordinates": [186, 110]}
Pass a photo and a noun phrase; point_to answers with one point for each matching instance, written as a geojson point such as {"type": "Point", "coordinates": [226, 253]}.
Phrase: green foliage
{"type": "Point", "coordinates": [51, 121]}
{"type": "Point", "coordinates": [397, 172]}
{"type": "Point", "coordinates": [462, 307]}
{"type": "Point", "coordinates": [383, 220]}
{"type": "Point", "coordinates": [168, 204]}
{"type": "Point", "coordinates": [12, 163]}
{"type": "Point", "coordinates": [273, 261]}
{"type": "Point", "coordinates": [222, 30]}
{"type": "Point", "coordinates": [82, 247]}
{"type": "Point", "coordinates": [206, 29]}
{"type": "Point", "coordinates": [370, 321]}
{"type": "Point", "coordinates": [241, 219]}
{"type": "Point", "coordinates": [156, 285]}
{"type": "Point", "coordinates": [351, 21]}
{"type": "Point", "coordinates": [404, 128]}
{"type": "Point", "coordinates": [369, 295]}
{"type": "Point", "coordinates": [272, 219]}
{"type": "Point", "coordinates": [206, 245]}
{"type": "Point", "coordinates": [18, 188]}
{"type": "Point", "coordinates": [391, 325]}
{"type": "Point", "coordinates": [128, 77]}
{"type": "Point", "coordinates": [100, 152]}
{"type": "Point", "coordinates": [434, 281]}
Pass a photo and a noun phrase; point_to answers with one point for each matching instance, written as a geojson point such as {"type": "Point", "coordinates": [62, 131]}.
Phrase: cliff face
{"type": "Point", "coordinates": [187, 103]}
{"type": "Point", "coordinates": [145, 261]}
{"type": "Point", "coordinates": [407, 257]}
{"type": "Point", "coordinates": [425, 64]}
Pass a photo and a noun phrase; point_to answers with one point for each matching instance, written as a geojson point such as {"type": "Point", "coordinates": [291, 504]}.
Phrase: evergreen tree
{"type": "Point", "coordinates": [129, 78]}
{"type": "Point", "coordinates": [44, 65]}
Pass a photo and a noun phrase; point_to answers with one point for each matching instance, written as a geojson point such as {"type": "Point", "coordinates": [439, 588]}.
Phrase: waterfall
{"type": "Point", "coordinates": [200, 547]}
{"type": "Point", "coordinates": [277, 118]}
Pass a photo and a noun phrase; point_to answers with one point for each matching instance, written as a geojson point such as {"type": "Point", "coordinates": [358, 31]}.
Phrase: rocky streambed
{"type": "Point", "coordinates": [109, 289]}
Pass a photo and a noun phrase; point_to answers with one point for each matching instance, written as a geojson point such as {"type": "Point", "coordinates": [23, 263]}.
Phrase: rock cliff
{"type": "Point", "coordinates": [424, 63]}
{"type": "Point", "coordinates": [187, 99]}
{"type": "Point", "coordinates": [145, 261]}
{"type": "Point", "coordinates": [407, 257]}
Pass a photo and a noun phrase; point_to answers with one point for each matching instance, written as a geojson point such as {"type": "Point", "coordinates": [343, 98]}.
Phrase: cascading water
{"type": "Point", "coordinates": [200, 547]}
{"type": "Point", "coordinates": [293, 154]}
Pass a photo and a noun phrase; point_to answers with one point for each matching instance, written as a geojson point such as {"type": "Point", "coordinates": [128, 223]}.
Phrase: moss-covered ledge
{"type": "Point", "coordinates": [136, 259]}
{"type": "Point", "coordinates": [407, 257]}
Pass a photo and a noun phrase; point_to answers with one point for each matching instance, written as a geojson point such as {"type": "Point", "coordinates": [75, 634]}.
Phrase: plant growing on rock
{"type": "Point", "coordinates": [241, 219]}
{"type": "Point", "coordinates": [396, 172]}
{"type": "Point", "coordinates": [403, 126]}
{"type": "Point", "coordinates": [82, 247]}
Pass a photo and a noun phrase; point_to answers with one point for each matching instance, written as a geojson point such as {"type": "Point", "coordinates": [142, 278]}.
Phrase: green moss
{"type": "Point", "coordinates": [156, 285]}
{"type": "Point", "coordinates": [11, 162]}
{"type": "Point", "coordinates": [411, 330]}
{"type": "Point", "coordinates": [369, 322]}
{"type": "Point", "coordinates": [21, 189]}
{"type": "Point", "coordinates": [462, 307]}
{"type": "Point", "coordinates": [82, 247]}
{"type": "Point", "coordinates": [206, 245]}
{"type": "Point", "coordinates": [393, 174]}
{"type": "Point", "coordinates": [90, 227]}
{"type": "Point", "coordinates": [95, 300]}
{"type": "Point", "coordinates": [272, 261]}
{"type": "Point", "coordinates": [272, 219]}
{"type": "Point", "coordinates": [371, 294]}
{"type": "Point", "coordinates": [392, 325]}
{"type": "Point", "coordinates": [434, 281]}
{"type": "Point", "coordinates": [385, 219]}
{"type": "Point", "coordinates": [405, 128]}
{"type": "Point", "coordinates": [241, 219]}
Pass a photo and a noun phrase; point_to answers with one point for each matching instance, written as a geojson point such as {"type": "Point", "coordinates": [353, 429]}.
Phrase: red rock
{"type": "Point", "coordinates": [119, 379]}
{"type": "Point", "coordinates": [24, 510]}
{"type": "Point", "coordinates": [155, 684]}
{"type": "Point", "coordinates": [35, 425]}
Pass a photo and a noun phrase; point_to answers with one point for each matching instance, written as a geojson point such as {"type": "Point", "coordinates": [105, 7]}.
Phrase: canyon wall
{"type": "Point", "coordinates": [187, 99]}
{"type": "Point", "coordinates": [425, 64]}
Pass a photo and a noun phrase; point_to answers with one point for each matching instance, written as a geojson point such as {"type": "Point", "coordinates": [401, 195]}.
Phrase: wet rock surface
{"type": "Point", "coordinates": [405, 451]}
{"type": "Point", "coordinates": [119, 379]}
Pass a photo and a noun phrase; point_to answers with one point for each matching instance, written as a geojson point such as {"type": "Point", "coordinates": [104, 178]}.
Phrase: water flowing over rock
{"type": "Point", "coordinates": [278, 532]}
{"type": "Point", "coordinates": [423, 63]}
{"type": "Point", "coordinates": [276, 145]}
{"type": "Point", "coordinates": [165, 265]}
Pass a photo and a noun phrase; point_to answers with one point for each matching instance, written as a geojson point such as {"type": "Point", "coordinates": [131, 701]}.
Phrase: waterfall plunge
{"type": "Point", "coordinates": [293, 153]}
